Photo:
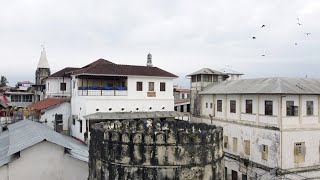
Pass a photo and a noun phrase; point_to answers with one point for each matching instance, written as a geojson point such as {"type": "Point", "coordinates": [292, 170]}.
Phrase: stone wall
{"type": "Point", "coordinates": [154, 149]}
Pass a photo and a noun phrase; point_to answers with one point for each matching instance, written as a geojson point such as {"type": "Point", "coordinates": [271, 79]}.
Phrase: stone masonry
{"type": "Point", "coordinates": [155, 149]}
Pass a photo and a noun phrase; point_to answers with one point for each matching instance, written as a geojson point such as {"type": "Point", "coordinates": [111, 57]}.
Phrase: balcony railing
{"type": "Point", "coordinates": [102, 91]}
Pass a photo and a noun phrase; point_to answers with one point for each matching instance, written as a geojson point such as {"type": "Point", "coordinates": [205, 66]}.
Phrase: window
{"type": "Point", "coordinates": [247, 147]}
{"type": "Point", "coordinates": [194, 78]}
{"type": "Point", "coordinates": [139, 86]}
{"type": "Point", "coordinates": [291, 109]}
{"type": "Point", "coordinates": [199, 78]}
{"type": "Point", "coordinates": [25, 98]}
{"type": "Point", "coordinates": [309, 108]}
{"type": "Point", "coordinates": [235, 144]}
{"type": "Point", "coordinates": [225, 173]}
{"type": "Point", "coordinates": [233, 106]}
{"type": "Point", "coordinates": [244, 177]}
{"type": "Point", "coordinates": [182, 96]}
{"type": "Point", "coordinates": [268, 107]}
{"type": "Point", "coordinates": [299, 152]}
{"type": "Point", "coordinates": [211, 105]}
{"type": "Point", "coordinates": [206, 105]}
{"type": "Point", "coordinates": [249, 106]}
{"type": "Point", "coordinates": [80, 126]}
{"type": "Point", "coordinates": [63, 86]}
{"type": "Point", "coordinates": [74, 121]}
{"type": "Point", "coordinates": [226, 142]}
{"type": "Point", "coordinates": [264, 154]}
{"type": "Point", "coordinates": [162, 86]}
{"type": "Point", "coordinates": [15, 98]}
{"type": "Point", "coordinates": [207, 78]}
{"type": "Point", "coordinates": [234, 175]}
{"type": "Point", "coordinates": [219, 105]}
{"type": "Point", "coordinates": [151, 86]}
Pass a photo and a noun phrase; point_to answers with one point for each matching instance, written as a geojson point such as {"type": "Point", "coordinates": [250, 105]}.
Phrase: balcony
{"type": "Point", "coordinates": [102, 86]}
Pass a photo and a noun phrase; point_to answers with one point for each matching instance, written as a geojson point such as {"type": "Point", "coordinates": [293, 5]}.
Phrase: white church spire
{"type": "Point", "coordinates": [43, 62]}
{"type": "Point", "coordinates": [149, 60]}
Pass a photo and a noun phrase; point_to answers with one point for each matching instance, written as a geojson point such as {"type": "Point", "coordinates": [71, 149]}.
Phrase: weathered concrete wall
{"type": "Point", "coordinates": [147, 149]}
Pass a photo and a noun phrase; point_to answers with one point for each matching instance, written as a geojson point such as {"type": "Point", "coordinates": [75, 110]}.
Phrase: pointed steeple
{"type": "Point", "coordinates": [43, 62]}
{"type": "Point", "coordinates": [149, 60]}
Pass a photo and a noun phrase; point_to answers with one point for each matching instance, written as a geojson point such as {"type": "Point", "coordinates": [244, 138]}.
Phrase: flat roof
{"type": "Point", "coordinates": [134, 115]}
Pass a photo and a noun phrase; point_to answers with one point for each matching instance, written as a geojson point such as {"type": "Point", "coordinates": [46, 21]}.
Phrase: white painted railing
{"type": "Point", "coordinates": [102, 93]}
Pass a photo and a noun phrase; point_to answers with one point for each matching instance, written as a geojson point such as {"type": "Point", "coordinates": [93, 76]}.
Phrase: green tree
{"type": "Point", "coordinates": [4, 81]}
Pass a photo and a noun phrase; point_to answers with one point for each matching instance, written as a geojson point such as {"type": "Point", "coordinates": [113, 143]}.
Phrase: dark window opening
{"type": "Point", "coordinates": [63, 86]}
{"type": "Point", "coordinates": [219, 105]}
{"type": "Point", "coordinates": [248, 106]}
{"type": "Point", "coordinates": [309, 108]}
{"type": "Point", "coordinates": [139, 86]}
{"type": "Point", "coordinates": [233, 106]}
{"type": "Point", "coordinates": [291, 109]}
{"type": "Point", "coordinates": [162, 86]}
{"type": "Point", "coordinates": [268, 108]}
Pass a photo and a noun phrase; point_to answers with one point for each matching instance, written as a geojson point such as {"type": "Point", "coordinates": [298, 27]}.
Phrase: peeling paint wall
{"type": "Point", "coordinates": [154, 149]}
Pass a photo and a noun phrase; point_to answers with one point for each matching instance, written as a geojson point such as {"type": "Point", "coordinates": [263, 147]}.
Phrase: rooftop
{"type": "Point", "coordinates": [105, 67]}
{"type": "Point", "coordinates": [47, 103]}
{"type": "Point", "coordinates": [230, 71]}
{"type": "Point", "coordinates": [63, 72]}
{"type": "Point", "coordinates": [276, 85]}
{"type": "Point", "coordinates": [206, 71]}
{"type": "Point", "coordinates": [24, 134]}
{"type": "Point", "coordinates": [134, 115]}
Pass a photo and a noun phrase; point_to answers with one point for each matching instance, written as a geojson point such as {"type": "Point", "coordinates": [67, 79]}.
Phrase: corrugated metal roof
{"type": "Point", "coordinates": [4, 146]}
{"type": "Point", "coordinates": [275, 85]}
{"type": "Point", "coordinates": [26, 133]}
{"type": "Point", "coordinates": [230, 71]}
{"type": "Point", "coordinates": [206, 71]}
{"type": "Point", "coordinates": [134, 115]}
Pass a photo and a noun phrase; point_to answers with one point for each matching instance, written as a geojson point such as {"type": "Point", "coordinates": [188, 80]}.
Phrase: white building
{"type": "Point", "coordinates": [54, 112]}
{"type": "Point", "coordinates": [30, 150]}
{"type": "Point", "coordinates": [103, 86]}
{"type": "Point", "coordinates": [271, 126]}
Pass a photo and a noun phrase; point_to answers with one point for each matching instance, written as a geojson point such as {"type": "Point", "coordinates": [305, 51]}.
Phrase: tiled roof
{"type": "Point", "coordinates": [104, 67]}
{"type": "Point", "coordinates": [62, 73]}
{"type": "Point", "coordinates": [47, 103]}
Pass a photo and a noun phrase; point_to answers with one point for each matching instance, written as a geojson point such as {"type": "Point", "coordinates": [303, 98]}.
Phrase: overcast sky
{"type": "Point", "coordinates": [183, 36]}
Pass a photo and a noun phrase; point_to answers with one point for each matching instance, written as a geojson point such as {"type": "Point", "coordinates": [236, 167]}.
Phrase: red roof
{"type": "Point", "coordinates": [63, 72]}
{"type": "Point", "coordinates": [104, 67]}
{"type": "Point", "coordinates": [47, 103]}
{"type": "Point", "coordinates": [183, 90]}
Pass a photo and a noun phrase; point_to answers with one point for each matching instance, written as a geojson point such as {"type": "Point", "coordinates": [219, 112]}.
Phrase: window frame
{"type": "Point", "coordinates": [249, 106]}
{"type": "Point", "coordinates": [139, 86]}
{"type": "Point", "coordinates": [219, 105]}
{"type": "Point", "coordinates": [309, 110]}
{"type": "Point", "coordinates": [268, 108]}
{"type": "Point", "coordinates": [151, 86]}
{"type": "Point", "coordinates": [162, 86]}
{"type": "Point", "coordinates": [233, 106]}
{"type": "Point", "coordinates": [63, 86]}
{"type": "Point", "coordinates": [247, 147]}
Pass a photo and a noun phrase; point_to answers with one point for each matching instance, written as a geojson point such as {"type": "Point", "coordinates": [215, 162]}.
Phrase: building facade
{"type": "Point", "coordinates": [103, 86]}
{"type": "Point", "coordinates": [271, 126]}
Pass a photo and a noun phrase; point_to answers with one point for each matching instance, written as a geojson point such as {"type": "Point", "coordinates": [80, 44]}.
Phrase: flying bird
{"type": "Point", "coordinates": [253, 37]}
{"type": "Point", "coordinates": [299, 24]}
{"type": "Point", "coordinates": [307, 34]}
{"type": "Point", "coordinates": [263, 26]}
{"type": "Point", "coordinates": [295, 43]}
{"type": "Point", "coordinates": [298, 19]}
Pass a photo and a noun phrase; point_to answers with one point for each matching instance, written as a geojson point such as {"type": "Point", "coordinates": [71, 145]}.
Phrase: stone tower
{"type": "Point", "coordinates": [149, 60]}
{"type": "Point", "coordinates": [42, 72]}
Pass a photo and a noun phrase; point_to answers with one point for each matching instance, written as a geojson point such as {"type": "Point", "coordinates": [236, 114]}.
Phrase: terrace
{"type": "Point", "coordinates": [102, 86]}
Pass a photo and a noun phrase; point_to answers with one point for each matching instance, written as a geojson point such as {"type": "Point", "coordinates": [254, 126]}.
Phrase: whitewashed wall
{"type": "Point", "coordinates": [53, 87]}
{"type": "Point", "coordinates": [49, 115]}
{"type": "Point", "coordinates": [44, 160]}
{"type": "Point", "coordinates": [85, 105]}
